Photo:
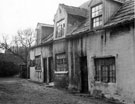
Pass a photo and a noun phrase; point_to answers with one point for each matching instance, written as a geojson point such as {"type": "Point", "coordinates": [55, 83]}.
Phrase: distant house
{"type": "Point", "coordinates": [90, 50]}
{"type": "Point", "coordinates": [41, 54]}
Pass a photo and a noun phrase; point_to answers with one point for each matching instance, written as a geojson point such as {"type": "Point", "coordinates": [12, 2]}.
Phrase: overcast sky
{"type": "Point", "coordinates": [21, 14]}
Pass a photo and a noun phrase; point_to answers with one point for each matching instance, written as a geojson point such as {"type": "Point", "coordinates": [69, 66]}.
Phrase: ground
{"type": "Point", "coordinates": [22, 91]}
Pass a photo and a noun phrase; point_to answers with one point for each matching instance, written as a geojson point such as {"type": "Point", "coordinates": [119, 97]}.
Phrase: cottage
{"type": "Point", "coordinates": [106, 44]}
{"type": "Point", "coordinates": [41, 54]}
{"type": "Point", "coordinates": [91, 49]}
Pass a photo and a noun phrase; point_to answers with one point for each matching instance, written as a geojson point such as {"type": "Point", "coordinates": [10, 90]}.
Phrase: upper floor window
{"type": "Point", "coordinates": [97, 15]}
{"type": "Point", "coordinates": [60, 27]}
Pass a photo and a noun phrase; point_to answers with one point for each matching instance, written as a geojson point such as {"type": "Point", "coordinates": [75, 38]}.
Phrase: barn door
{"type": "Point", "coordinates": [84, 74]}
{"type": "Point", "coordinates": [50, 69]}
{"type": "Point", "coordinates": [45, 70]}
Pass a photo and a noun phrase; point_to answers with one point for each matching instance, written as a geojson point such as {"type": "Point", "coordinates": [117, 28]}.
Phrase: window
{"type": "Point", "coordinates": [32, 63]}
{"type": "Point", "coordinates": [105, 70]}
{"type": "Point", "coordinates": [60, 27]}
{"type": "Point", "coordinates": [38, 63]}
{"type": "Point", "coordinates": [61, 64]}
{"type": "Point", "coordinates": [97, 15]}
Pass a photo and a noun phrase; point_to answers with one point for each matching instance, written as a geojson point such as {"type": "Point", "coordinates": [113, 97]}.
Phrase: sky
{"type": "Point", "coordinates": [22, 14]}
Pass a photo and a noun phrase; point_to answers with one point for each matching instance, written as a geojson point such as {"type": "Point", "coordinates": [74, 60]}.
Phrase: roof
{"type": "Point", "coordinates": [125, 14]}
{"type": "Point", "coordinates": [45, 41]}
{"type": "Point", "coordinates": [43, 24]}
{"type": "Point", "coordinates": [48, 38]}
{"type": "Point", "coordinates": [75, 10]}
{"type": "Point", "coordinates": [119, 1]}
{"type": "Point", "coordinates": [81, 28]}
{"type": "Point", "coordinates": [85, 5]}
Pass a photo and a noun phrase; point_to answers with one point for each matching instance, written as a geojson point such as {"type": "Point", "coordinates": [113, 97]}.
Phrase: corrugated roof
{"type": "Point", "coordinates": [75, 10]}
{"type": "Point", "coordinates": [125, 14]}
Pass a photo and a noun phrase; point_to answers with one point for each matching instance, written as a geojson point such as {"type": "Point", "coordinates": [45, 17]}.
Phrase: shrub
{"type": "Point", "coordinates": [8, 69]}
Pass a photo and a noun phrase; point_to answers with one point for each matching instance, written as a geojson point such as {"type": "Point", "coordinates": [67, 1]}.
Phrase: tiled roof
{"type": "Point", "coordinates": [81, 28]}
{"type": "Point", "coordinates": [75, 10]}
{"type": "Point", "coordinates": [125, 14]}
{"type": "Point", "coordinates": [85, 5]}
{"type": "Point", "coordinates": [45, 41]}
{"type": "Point", "coordinates": [48, 38]}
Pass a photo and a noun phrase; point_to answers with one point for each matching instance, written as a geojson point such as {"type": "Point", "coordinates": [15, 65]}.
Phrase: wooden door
{"type": "Point", "coordinates": [45, 70]}
{"type": "Point", "coordinates": [50, 69]}
{"type": "Point", "coordinates": [84, 74]}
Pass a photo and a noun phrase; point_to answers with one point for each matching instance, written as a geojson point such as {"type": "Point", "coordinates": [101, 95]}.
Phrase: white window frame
{"type": "Point", "coordinates": [60, 29]}
{"type": "Point", "coordinates": [97, 15]}
{"type": "Point", "coordinates": [61, 57]}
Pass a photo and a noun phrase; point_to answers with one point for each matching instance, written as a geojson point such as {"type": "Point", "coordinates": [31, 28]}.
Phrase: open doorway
{"type": "Point", "coordinates": [84, 74]}
{"type": "Point", "coordinates": [50, 60]}
{"type": "Point", "coordinates": [45, 69]}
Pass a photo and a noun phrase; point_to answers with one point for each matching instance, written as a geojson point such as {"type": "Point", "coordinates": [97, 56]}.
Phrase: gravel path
{"type": "Point", "coordinates": [21, 91]}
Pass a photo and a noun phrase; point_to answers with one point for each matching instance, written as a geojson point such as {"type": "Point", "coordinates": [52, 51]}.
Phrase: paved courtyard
{"type": "Point", "coordinates": [21, 91]}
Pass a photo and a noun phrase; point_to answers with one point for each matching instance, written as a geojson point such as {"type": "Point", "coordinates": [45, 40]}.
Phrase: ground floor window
{"type": "Point", "coordinates": [38, 62]}
{"type": "Point", "coordinates": [61, 63]}
{"type": "Point", "coordinates": [105, 70]}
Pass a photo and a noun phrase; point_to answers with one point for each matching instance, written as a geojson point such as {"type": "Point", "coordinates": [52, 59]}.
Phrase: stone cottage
{"type": "Point", "coordinates": [92, 49]}
{"type": "Point", "coordinates": [41, 54]}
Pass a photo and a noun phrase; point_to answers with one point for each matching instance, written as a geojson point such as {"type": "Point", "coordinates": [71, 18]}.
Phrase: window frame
{"type": "Point", "coordinates": [103, 75]}
{"type": "Point", "coordinates": [99, 16]}
{"type": "Point", "coordinates": [60, 25]}
{"type": "Point", "coordinates": [38, 65]}
{"type": "Point", "coordinates": [63, 63]}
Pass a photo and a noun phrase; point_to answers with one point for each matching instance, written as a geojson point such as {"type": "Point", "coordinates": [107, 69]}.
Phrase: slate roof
{"type": "Point", "coordinates": [47, 40]}
{"type": "Point", "coordinates": [75, 10]}
{"type": "Point", "coordinates": [81, 28]}
{"type": "Point", "coordinates": [85, 5]}
{"type": "Point", "coordinates": [125, 14]}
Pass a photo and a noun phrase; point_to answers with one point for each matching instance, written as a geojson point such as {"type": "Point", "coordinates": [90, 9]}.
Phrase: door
{"type": "Point", "coordinates": [45, 70]}
{"type": "Point", "coordinates": [84, 74]}
{"type": "Point", "coordinates": [50, 69]}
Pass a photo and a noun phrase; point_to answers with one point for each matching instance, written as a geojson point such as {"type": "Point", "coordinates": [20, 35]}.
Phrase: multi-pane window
{"type": "Point", "coordinates": [60, 27]}
{"type": "Point", "coordinates": [38, 63]}
{"type": "Point", "coordinates": [61, 64]}
{"type": "Point", "coordinates": [97, 15]}
{"type": "Point", "coordinates": [32, 63]}
{"type": "Point", "coordinates": [105, 70]}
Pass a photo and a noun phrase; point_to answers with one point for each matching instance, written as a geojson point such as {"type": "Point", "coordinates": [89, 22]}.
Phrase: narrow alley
{"type": "Point", "coordinates": [21, 91]}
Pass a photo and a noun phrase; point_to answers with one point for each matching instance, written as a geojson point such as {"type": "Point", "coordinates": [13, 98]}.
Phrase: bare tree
{"type": "Point", "coordinates": [20, 44]}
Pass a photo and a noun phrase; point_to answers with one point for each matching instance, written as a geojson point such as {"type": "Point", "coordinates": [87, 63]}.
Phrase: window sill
{"type": "Point", "coordinates": [97, 28]}
{"type": "Point", "coordinates": [61, 72]}
{"type": "Point", "coordinates": [38, 70]}
{"type": "Point", "coordinates": [59, 38]}
{"type": "Point", "coordinates": [109, 83]}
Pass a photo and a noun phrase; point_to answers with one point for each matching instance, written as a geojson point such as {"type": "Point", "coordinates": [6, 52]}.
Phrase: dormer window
{"type": "Point", "coordinates": [60, 27]}
{"type": "Point", "coordinates": [97, 16]}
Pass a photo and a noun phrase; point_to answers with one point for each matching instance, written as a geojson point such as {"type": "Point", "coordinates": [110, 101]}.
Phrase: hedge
{"type": "Point", "coordinates": [8, 69]}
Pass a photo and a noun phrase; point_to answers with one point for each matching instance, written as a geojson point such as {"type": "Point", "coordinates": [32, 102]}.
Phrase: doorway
{"type": "Point", "coordinates": [50, 60]}
{"type": "Point", "coordinates": [84, 74]}
{"type": "Point", "coordinates": [45, 69]}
